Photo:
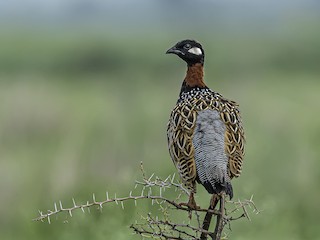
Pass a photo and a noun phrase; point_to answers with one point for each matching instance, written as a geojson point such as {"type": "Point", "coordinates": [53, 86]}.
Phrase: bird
{"type": "Point", "coordinates": [205, 132]}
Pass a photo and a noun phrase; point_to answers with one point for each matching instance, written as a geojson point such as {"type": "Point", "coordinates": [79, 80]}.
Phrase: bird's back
{"type": "Point", "coordinates": [205, 139]}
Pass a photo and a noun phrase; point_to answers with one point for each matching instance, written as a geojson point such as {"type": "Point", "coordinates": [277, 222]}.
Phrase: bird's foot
{"type": "Point", "coordinates": [191, 204]}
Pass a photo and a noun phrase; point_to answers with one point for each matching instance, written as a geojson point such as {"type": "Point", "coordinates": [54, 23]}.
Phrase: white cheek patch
{"type": "Point", "coordinates": [195, 50]}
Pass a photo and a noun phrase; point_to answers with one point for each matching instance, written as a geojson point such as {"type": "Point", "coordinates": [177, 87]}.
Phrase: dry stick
{"type": "Point", "coordinates": [207, 219]}
{"type": "Point", "coordinates": [220, 219]}
{"type": "Point", "coordinates": [116, 200]}
{"type": "Point", "coordinates": [175, 227]}
{"type": "Point", "coordinates": [176, 231]}
{"type": "Point", "coordinates": [153, 234]}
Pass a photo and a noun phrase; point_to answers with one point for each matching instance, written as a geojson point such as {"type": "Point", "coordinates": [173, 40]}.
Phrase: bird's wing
{"type": "Point", "coordinates": [234, 136]}
{"type": "Point", "coordinates": [180, 132]}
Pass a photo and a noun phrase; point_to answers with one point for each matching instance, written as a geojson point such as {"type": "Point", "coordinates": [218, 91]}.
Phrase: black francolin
{"type": "Point", "coordinates": [205, 133]}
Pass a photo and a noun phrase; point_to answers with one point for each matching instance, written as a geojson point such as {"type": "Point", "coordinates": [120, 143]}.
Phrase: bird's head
{"type": "Point", "coordinates": [189, 50]}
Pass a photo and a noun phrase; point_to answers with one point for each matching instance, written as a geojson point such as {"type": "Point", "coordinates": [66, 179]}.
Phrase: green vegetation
{"type": "Point", "coordinates": [78, 114]}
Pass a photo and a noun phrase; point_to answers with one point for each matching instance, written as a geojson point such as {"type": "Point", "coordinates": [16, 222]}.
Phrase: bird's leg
{"type": "Point", "coordinates": [191, 204]}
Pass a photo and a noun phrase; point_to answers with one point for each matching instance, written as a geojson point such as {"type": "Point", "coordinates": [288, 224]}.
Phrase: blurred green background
{"type": "Point", "coordinates": [86, 91]}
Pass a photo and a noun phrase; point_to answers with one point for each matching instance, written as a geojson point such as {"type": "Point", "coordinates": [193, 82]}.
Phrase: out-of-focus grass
{"type": "Point", "coordinates": [78, 116]}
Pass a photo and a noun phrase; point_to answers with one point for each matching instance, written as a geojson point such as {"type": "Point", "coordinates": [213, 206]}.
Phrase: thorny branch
{"type": "Point", "coordinates": [180, 229]}
{"type": "Point", "coordinates": [164, 227]}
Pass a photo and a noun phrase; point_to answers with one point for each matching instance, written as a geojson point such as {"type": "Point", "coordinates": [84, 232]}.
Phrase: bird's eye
{"type": "Point", "coordinates": [187, 46]}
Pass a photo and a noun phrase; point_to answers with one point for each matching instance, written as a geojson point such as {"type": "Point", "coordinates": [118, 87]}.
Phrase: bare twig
{"type": "Point", "coordinates": [208, 217]}
{"type": "Point", "coordinates": [154, 189]}
{"type": "Point", "coordinates": [100, 204]}
{"type": "Point", "coordinates": [220, 219]}
{"type": "Point", "coordinates": [168, 230]}
{"type": "Point", "coordinates": [146, 193]}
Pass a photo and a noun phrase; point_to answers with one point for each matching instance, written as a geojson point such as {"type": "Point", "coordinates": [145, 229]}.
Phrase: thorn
{"type": "Point", "coordinates": [115, 198]}
{"type": "Point", "coordinates": [49, 221]}
{"type": "Point", "coordinates": [130, 194]}
{"type": "Point", "coordinates": [167, 178]}
{"type": "Point", "coordinates": [135, 202]}
{"type": "Point", "coordinates": [107, 194]}
{"type": "Point", "coordinates": [60, 203]}
{"type": "Point", "coordinates": [94, 198]}
{"type": "Point", "coordinates": [173, 177]}
{"type": "Point", "coordinates": [82, 209]}
{"type": "Point", "coordinates": [74, 203]}
{"type": "Point", "coordinates": [55, 207]}
{"type": "Point", "coordinates": [122, 205]}
{"type": "Point", "coordinates": [70, 212]}
{"type": "Point", "coordinates": [150, 177]}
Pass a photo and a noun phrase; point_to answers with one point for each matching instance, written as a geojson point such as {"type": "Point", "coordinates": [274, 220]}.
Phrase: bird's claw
{"type": "Point", "coordinates": [190, 205]}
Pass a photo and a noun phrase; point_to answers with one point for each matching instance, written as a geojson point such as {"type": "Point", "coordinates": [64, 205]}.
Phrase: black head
{"type": "Point", "coordinates": [189, 50]}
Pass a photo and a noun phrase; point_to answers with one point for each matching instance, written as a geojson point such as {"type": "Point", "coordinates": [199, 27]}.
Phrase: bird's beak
{"type": "Point", "coordinates": [173, 50]}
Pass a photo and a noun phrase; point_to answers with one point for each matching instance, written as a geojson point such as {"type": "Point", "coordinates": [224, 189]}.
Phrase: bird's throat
{"type": "Point", "coordinates": [194, 77]}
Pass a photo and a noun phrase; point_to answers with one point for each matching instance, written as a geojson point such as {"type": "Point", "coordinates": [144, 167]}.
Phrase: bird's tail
{"type": "Point", "coordinates": [224, 187]}
{"type": "Point", "coordinates": [229, 190]}
{"type": "Point", "coordinates": [218, 187]}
